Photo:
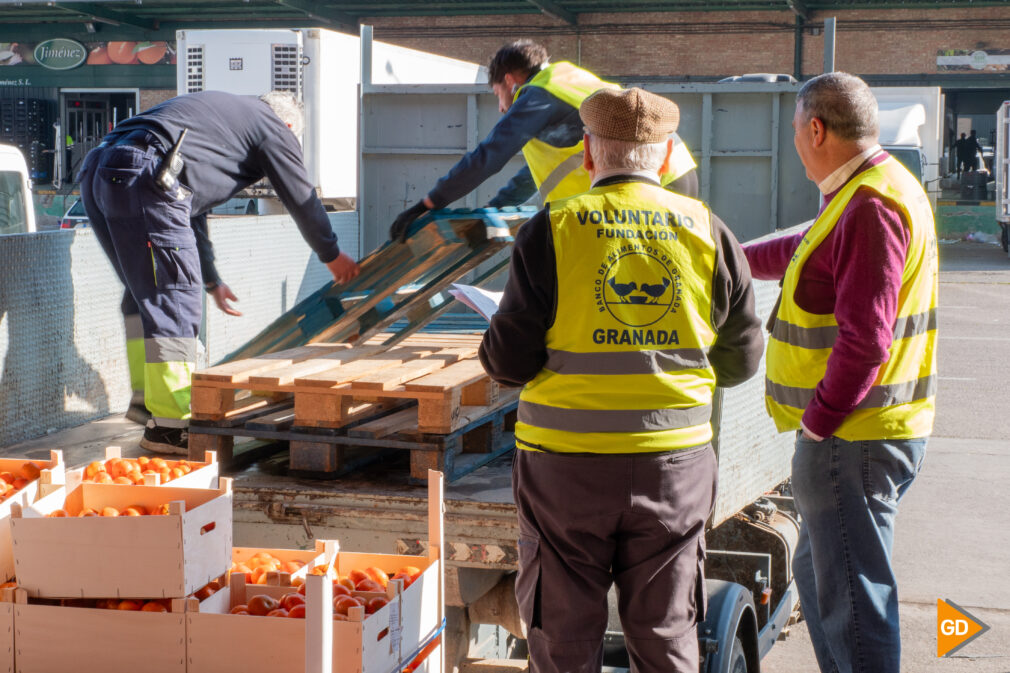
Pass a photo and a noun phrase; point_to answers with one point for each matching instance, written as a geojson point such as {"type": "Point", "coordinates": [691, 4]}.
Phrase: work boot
{"type": "Point", "coordinates": [138, 413]}
{"type": "Point", "coordinates": [161, 439]}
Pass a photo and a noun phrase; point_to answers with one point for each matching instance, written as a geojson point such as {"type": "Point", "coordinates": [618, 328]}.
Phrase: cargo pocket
{"type": "Point", "coordinates": [700, 594]}
{"type": "Point", "coordinates": [175, 264]}
{"type": "Point", "coordinates": [528, 581]}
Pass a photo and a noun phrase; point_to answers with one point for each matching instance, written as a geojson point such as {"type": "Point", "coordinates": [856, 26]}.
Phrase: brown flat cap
{"type": "Point", "coordinates": [632, 115]}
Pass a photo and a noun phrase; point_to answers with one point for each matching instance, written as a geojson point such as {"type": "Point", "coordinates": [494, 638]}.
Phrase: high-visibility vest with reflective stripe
{"type": "Point", "coordinates": [901, 403]}
{"type": "Point", "coordinates": [627, 368]}
{"type": "Point", "coordinates": [558, 171]}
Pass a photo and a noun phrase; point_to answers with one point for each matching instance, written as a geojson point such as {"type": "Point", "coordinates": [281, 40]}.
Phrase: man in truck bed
{"type": "Point", "coordinates": [625, 307]}
{"type": "Point", "coordinates": [540, 103]}
{"type": "Point", "coordinates": [150, 218]}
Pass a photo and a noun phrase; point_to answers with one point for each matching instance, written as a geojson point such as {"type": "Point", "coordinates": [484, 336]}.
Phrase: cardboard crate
{"type": "Point", "coordinates": [56, 639]}
{"type": "Point", "coordinates": [52, 478]}
{"type": "Point", "coordinates": [168, 556]}
{"type": "Point", "coordinates": [204, 474]}
{"type": "Point", "coordinates": [219, 642]}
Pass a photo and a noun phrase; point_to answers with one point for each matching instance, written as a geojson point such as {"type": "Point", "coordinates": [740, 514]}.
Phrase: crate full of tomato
{"type": "Point", "coordinates": [111, 540]}
{"type": "Point", "coordinates": [381, 609]}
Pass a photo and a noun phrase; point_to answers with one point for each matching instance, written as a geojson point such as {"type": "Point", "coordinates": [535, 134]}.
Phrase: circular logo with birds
{"type": "Point", "coordinates": [639, 288]}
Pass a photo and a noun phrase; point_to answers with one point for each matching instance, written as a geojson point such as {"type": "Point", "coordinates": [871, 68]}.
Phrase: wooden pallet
{"type": "Point", "coordinates": [338, 406]}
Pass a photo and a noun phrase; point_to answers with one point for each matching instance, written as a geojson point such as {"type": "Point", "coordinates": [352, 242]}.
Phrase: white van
{"type": "Point", "coordinates": [17, 213]}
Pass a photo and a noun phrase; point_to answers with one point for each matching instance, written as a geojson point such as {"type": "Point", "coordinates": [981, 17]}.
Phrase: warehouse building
{"type": "Point", "coordinates": [69, 72]}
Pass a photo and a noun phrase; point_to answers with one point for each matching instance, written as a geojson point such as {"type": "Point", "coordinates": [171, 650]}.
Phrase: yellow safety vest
{"type": "Point", "coordinates": [558, 171]}
{"type": "Point", "coordinates": [901, 403]}
{"type": "Point", "coordinates": [627, 366]}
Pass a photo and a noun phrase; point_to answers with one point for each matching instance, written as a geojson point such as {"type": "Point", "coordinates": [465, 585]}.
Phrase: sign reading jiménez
{"type": "Point", "coordinates": [60, 54]}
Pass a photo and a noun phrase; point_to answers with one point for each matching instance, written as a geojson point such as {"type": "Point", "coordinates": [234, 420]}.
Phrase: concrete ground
{"type": "Point", "coordinates": [953, 531]}
{"type": "Point", "coordinates": [953, 535]}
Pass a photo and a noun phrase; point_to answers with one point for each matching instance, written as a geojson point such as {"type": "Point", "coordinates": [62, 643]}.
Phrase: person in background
{"type": "Point", "coordinates": [540, 103]}
{"type": "Point", "coordinates": [624, 308]}
{"type": "Point", "coordinates": [150, 216]}
{"type": "Point", "coordinates": [973, 149]}
{"type": "Point", "coordinates": [851, 369]}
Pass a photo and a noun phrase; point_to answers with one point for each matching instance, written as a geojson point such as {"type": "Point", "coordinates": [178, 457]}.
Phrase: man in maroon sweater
{"type": "Point", "coordinates": [852, 369]}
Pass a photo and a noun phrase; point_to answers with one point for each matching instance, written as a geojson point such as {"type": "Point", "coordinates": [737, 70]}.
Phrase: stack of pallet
{"type": "Point", "coordinates": [340, 406]}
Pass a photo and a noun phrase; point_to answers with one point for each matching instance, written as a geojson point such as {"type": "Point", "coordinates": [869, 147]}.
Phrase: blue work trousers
{"type": "Point", "coordinates": [145, 231]}
{"type": "Point", "coordinates": [847, 494]}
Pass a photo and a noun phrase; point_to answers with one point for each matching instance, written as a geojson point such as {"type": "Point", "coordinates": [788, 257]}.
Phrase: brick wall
{"type": "Point", "coordinates": [151, 97]}
{"type": "Point", "coordinates": [714, 44]}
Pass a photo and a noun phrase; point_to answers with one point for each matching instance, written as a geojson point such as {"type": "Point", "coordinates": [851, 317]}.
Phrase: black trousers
{"type": "Point", "coordinates": [589, 521]}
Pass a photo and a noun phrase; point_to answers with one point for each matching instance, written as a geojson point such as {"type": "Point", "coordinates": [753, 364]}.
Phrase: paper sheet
{"type": "Point", "coordinates": [484, 302]}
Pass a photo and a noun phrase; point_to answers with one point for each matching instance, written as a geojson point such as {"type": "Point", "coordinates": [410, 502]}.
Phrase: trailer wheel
{"type": "Point", "coordinates": [737, 657]}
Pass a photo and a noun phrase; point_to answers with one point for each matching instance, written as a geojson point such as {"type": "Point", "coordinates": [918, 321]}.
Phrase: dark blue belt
{"type": "Point", "coordinates": [139, 138]}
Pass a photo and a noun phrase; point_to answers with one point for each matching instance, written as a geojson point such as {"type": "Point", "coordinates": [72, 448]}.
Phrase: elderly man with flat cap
{"type": "Point", "coordinates": [625, 307]}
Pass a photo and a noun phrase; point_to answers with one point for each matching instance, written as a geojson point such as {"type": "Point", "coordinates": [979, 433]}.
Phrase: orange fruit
{"type": "Point", "coordinates": [341, 604]}
{"type": "Point", "coordinates": [292, 599]}
{"type": "Point", "coordinates": [57, 513]}
{"type": "Point", "coordinates": [186, 469]}
{"type": "Point", "coordinates": [368, 585]}
{"type": "Point", "coordinates": [99, 56]}
{"type": "Point", "coordinates": [176, 473]}
{"type": "Point", "coordinates": [135, 510]}
{"type": "Point", "coordinates": [318, 570]}
{"type": "Point", "coordinates": [103, 477]}
{"type": "Point", "coordinates": [205, 592]}
{"type": "Point", "coordinates": [110, 511]}
{"type": "Point", "coordinates": [143, 461]}
{"type": "Point", "coordinates": [129, 604]}
{"type": "Point", "coordinates": [19, 483]}
{"type": "Point", "coordinates": [340, 590]}
{"type": "Point", "coordinates": [31, 471]}
{"type": "Point", "coordinates": [378, 575]}
{"type": "Point", "coordinates": [262, 604]}
{"type": "Point", "coordinates": [115, 467]}
{"type": "Point", "coordinates": [136, 478]}
{"type": "Point", "coordinates": [346, 581]}
{"type": "Point", "coordinates": [243, 568]}
{"type": "Point", "coordinates": [375, 604]}
{"type": "Point", "coordinates": [166, 476]}
{"type": "Point", "coordinates": [126, 481]}
{"type": "Point", "coordinates": [7, 476]}
{"type": "Point", "coordinates": [297, 612]}
{"type": "Point", "coordinates": [279, 612]}
{"type": "Point", "coordinates": [122, 52]}
{"type": "Point", "coordinates": [239, 610]}
{"type": "Point", "coordinates": [152, 52]}
{"type": "Point", "coordinates": [160, 510]}
{"type": "Point", "coordinates": [292, 566]}
{"type": "Point", "coordinates": [159, 464]}
{"type": "Point", "coordinates": [6, 585]}
{"type": "Point", "coordinates": [93, 468]}
{"type": "Point", "coordinates": [357, 575]}
{"type": "Point", "coordinates": [87, 511]}
{"type": "Point", "coordinates": [153, 606]}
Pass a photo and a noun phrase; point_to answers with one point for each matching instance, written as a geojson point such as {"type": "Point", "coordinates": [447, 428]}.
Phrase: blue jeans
{"type": "Point", "coordinates": [847, 494]}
